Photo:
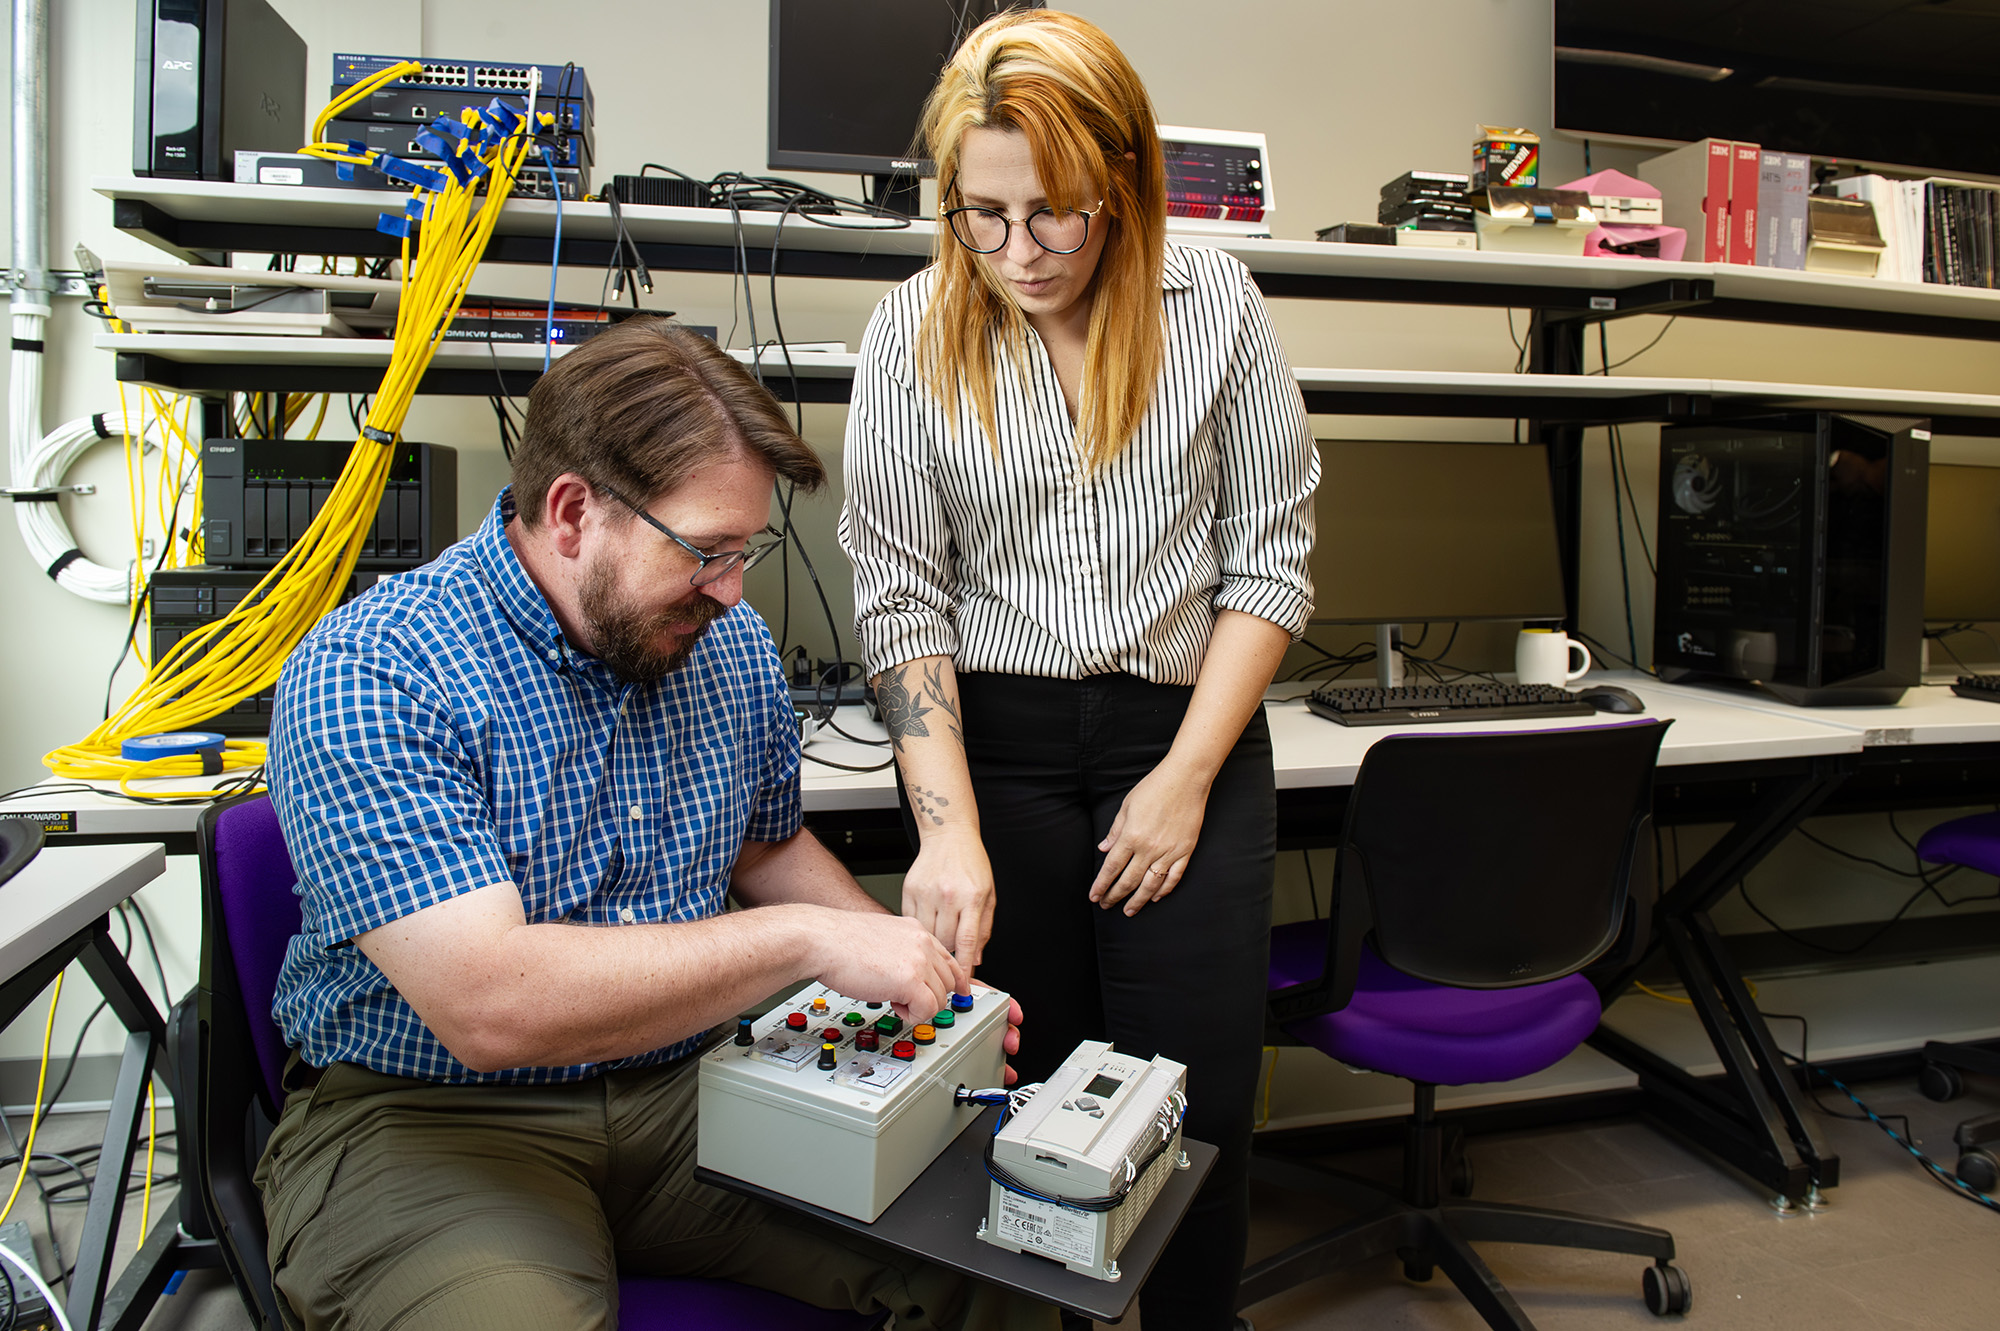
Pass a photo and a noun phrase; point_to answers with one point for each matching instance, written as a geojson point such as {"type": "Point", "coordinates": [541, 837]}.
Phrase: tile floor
{"type": "Point", "coordinates": [1893, 1249]}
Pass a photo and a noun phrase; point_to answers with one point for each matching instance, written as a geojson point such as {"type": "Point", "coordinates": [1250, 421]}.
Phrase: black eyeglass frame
{"type": "Point", "coordinates": [722, 561]}
{"type": "Point", "coordinates": [1087, 214]}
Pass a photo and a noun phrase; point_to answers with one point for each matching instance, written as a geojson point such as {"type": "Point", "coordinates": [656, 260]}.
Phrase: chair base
{"type": "Point", "coordinates": [1428, 1230]}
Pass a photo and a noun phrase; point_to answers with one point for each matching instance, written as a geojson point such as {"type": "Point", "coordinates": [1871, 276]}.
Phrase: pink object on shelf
{"type": "Point", "coordinates": [1603, 242]}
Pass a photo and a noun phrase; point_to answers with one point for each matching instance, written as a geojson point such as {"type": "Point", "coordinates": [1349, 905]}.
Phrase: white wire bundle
{"type": "Point", "coordinates": [24, 399]}
{"type": "Point", "coordinates": [43, 529]}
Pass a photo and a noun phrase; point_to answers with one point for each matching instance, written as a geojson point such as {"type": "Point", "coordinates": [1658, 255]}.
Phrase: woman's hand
{"type": "Point", "coordinates": [1151, 838]}
{"type": "Point", "coordinates": [949, 890]}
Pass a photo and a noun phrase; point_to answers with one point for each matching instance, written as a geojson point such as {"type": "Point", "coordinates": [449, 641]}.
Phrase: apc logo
{"type": "Point", "coordinates": [187, 65]}
{"type": "Point", "coordinates": [268, 105]}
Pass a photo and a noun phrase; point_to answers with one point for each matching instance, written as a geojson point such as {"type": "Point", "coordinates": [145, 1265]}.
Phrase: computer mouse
{"type": "Point", "coordinates": [1611, 698]}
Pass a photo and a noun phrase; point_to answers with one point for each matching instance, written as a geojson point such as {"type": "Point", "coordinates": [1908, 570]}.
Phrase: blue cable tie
{"type": "Point", "coordinates": [446, 126]}
{"type": "Point", "coordinates": [343, 171]}
{"type": "Point", "coordinates": [410, 173]}
{"type": "Point", "coordinates": [395, 226]}
{"type": "Point", "coordinates": [414, 209]}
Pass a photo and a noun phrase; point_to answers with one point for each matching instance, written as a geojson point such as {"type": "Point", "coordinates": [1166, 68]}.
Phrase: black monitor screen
{"type": "Point", "coordinates": [1427, 532]}
{"type": "Point", "coordinates": [1962, 549]}
{"type": "Point", "coordinates": [849, 78]}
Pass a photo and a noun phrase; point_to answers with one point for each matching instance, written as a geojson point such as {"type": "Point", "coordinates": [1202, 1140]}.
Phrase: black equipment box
{"type": "Point", "coordinates": [1791, 555]}
{"type": "Point", "coordinates": [211, 78]}
{"type": "Point", "coordinates": [400, 140]}
{"type": "Point", "coordinates": [259, 495]}
{"type": "Point", "coordinates": [487, 78]}
{"type": "Point", "coordinates": [184, 599]}
{"type": "Point", "coordinates": [420, 106]}
{"type": "Point", "coordinates": [1449, 186]}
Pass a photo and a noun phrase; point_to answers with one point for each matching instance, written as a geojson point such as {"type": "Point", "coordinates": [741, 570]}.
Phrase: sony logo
{"type": "Point", "coordinates": [177, 64]}
{"type": "Point", "coordinates": [1426, 713]}
{"type": "Point", "coordinates": [905, 165]}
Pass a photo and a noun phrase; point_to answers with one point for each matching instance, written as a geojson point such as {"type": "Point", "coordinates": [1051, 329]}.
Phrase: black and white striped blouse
{"type": "Point", "coordinates": [1026, 563]}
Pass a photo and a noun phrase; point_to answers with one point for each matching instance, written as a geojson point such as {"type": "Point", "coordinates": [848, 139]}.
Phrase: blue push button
{"type": "Point", "coordinates": [961, 1002]}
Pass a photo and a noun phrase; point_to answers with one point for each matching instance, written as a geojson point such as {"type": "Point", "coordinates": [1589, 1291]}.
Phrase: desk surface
{"type": "Point", "coordinates": [939, 1215]}
{"type": "Point", "coordinates": [1928, 714]}
{"type": "Point", "coordinates": [63, 889]}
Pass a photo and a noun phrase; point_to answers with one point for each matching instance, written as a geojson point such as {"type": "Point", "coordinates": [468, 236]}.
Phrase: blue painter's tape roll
{"type": "Point", "coordinates": [175, 744]}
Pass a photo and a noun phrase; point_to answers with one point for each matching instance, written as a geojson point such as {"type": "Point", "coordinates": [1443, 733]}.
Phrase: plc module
{"type": "Point", "coordinates": [842, 1104]}
{"type": "Point", "coordinates": [1075, 1168]}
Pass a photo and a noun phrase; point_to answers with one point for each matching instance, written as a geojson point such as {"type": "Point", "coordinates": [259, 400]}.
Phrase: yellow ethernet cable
{"type": "Point", "coordinates": [241, 654]}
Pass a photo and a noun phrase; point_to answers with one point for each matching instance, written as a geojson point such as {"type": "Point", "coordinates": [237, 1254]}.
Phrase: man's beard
{"type": "Point", "coordinates": [626, 639]}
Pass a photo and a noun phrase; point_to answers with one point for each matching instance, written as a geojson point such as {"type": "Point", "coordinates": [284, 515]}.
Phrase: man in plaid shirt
{"type": "Point", "coordinates": [518, 784]}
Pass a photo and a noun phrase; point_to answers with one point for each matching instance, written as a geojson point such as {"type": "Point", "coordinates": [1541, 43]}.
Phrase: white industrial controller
{"type": "Point", "coordinates": [840, 1104]}
{"type": "Point", "coordinates": [1085, 1158]}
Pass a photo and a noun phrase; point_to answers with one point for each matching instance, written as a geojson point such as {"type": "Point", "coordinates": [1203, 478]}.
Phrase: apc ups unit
{"type": "Point", "coordinates": [1791, 555]}
{"type": "Point", "coordinates": [210, 78]}
{"type": "Point", "coordinates": [259, 495]}
{"type": "Point", "coordinates": [184, 599]}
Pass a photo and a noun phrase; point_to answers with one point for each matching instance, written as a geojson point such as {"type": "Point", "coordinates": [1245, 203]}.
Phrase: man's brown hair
{"type": "Point", "coordinates": [643, 405]}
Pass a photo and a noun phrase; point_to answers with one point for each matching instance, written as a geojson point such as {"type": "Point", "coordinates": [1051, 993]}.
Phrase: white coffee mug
{"type": "Point", "coordinates": [1549, 656]}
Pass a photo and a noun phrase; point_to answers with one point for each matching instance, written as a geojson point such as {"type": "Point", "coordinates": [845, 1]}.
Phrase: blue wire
{"type": "Point", "coordinates": [1937, 1170]}
{"type": "Point", "coordinates": [555, 259]}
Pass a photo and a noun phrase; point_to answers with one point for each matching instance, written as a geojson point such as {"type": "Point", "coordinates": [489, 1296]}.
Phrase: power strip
{"type": "Point", "coordinates": [841, 1104]}
{"type": "Point", "coordinates": [30, 1312]}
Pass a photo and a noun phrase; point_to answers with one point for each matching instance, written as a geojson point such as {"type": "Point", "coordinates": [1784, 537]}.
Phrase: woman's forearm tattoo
{"type": "Point", "coordinates": [927, 803]}
{"type": "Point", "coordinates": [934, 677]}
{"type": "Point", "coordinates": [903, 712]}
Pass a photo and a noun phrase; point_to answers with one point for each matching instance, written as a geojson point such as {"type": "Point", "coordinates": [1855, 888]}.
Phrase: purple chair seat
{"type": "Point", "coordinates": [649, 1303]}
{"type": "Point", "coordinates": [1973, 842]}
{"type": "Point", "coordinates": [1433, 1033]}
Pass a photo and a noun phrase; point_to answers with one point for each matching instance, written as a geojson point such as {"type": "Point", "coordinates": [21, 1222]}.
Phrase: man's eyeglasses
{"type": "Point", "coordinates": [713, 567]}
{"type": "Point", "coordinates": [1059, 231]}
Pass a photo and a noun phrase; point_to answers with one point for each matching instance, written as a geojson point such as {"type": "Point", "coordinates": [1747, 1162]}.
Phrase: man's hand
{"type": "Point", "coordinates": [949, 891]}
{"type": "Point", "coordinates": [888, 959]}
{"type": "Point", "coordinates": [1151, 839]}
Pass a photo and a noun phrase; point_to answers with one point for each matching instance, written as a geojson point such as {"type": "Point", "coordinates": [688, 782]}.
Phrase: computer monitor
{"type": "Point", "coordinates": [1414, 532]}
{"type": "Point", "coordinates": [1962, 545]}
{"type": "Point", "coordinates": [849, 79]}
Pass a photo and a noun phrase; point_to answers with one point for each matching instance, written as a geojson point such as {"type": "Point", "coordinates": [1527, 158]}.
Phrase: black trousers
{"type": "Point", "coordinates": [1051, 762]}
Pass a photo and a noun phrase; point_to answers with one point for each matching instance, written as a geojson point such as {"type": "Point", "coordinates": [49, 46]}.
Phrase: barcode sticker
{"type": "Point", "coordinates": [1047, 1228]}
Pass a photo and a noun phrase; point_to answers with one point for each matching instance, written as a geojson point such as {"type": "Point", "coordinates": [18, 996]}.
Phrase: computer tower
{"type": "Point", "coordinates": [1791, 555]}
{"type": "Point", "coordinates": [210, 78]}
{"type": "Point", "coordinates": [259, 495]}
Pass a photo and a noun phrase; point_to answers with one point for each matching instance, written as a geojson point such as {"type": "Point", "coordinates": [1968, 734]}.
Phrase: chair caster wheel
{"type": "Point", "coordinates": [1940, 1083]}
{"type": "Point", "coordinates": [1460, 1181]}
{"type": "Point", "coordinates": [1415, 1266]}
{"type": "Point", "coordinates": [1979, 1170]}
{"type": "Point", "coordinates": [1667, 1290]}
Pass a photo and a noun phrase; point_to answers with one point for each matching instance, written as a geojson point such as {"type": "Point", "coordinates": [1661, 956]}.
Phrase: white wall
{"type": "Point", "coordinates": [1351, 93]}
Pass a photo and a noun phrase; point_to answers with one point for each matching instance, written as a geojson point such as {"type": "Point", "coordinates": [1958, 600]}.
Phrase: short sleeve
{"type": "Point", "coordinates": [1270, 469]}
{"type": "Point", "coordinates": [383, 809]}
{"type": "Point", "coordinates": [893, 524]}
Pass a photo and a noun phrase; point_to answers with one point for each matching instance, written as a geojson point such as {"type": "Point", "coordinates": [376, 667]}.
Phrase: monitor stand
{"type": "Point", "coordinates": [898, 191]}
{"type": "Point", "coordinates": [1389, 656]}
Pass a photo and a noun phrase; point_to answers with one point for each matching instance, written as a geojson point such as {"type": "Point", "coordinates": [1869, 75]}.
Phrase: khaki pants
{"type": "Point", "coordinates": [395, 1203]}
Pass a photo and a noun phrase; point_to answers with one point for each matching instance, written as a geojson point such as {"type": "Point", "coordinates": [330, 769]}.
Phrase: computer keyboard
{"type": "Point", "coordinates": [1419, 704]}
{"type": "Point", "coordinates": [1986, 688]}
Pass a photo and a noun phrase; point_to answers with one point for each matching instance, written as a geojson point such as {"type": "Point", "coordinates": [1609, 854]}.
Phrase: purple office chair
{"type": "Point", "coordinates": [249, 914]}
{"type": "Point", "coordinates": [1975, 843]}
{"type": "Point", "coordinates": [1478, 874]}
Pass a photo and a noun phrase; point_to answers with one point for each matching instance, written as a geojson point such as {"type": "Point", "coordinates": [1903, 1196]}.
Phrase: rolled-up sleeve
{"type": "Point", "coordinates": [1269, 471]}
{"type": "Point", "coordinates": [893, 524]}
{"type": "Point", "coordinates": [383, 810]}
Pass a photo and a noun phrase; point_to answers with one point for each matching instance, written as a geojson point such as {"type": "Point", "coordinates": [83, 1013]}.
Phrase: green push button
{"type": "Point", "coordinates": [888, 1024]}
{"type": "Point", "coordinates": [944, 1019]}
{"type": "Point", "coordinates": [853, 1019]}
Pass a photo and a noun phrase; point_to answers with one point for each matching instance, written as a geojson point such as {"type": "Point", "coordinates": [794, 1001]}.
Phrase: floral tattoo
{"type": "Point", "coordinates": [903, 712]}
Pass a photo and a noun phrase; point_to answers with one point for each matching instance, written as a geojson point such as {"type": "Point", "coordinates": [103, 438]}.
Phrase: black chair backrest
{"type": "Point", "coordinates": [1491, 861]}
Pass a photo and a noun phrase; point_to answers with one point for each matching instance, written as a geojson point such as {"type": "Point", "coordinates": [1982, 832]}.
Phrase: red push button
{"type": "Point", "coordinates": [797, 1021]}
{"type": "Point", "coordinates": [867, 1041]}
{"type": "Point", "coordinates": [832, 1035]}
{"type": "Point", "coordinates": [904, 1050]}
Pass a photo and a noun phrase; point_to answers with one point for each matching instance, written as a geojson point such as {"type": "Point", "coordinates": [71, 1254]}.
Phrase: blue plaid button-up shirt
{"type": "Point", "coordinates": [439, 735]}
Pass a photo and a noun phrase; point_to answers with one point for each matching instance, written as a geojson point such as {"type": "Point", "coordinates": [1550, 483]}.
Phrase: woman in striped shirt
{"type": "Point", "coordinates": [1079, 506]}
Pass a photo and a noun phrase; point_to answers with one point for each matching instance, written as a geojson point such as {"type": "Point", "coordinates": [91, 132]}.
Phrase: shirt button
{"type": "Point", "coordinates": [626, 915]}
{"type": "Point", "coordinates": [638, 813]}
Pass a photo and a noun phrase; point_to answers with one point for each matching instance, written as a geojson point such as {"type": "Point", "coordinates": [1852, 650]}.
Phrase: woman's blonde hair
{"type": "Point", "coordinates": [1067, 88]}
